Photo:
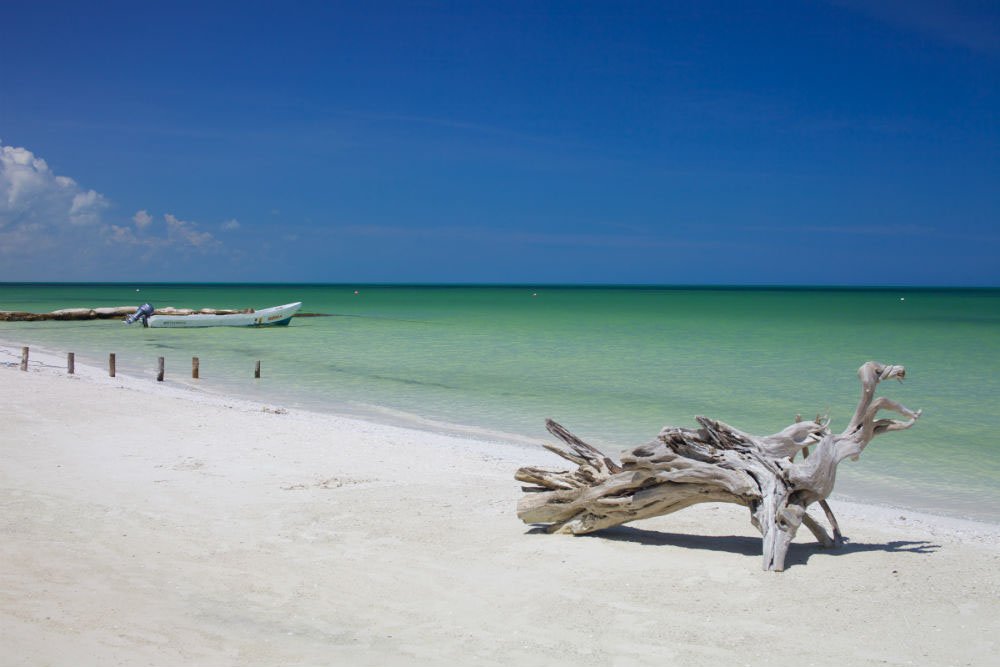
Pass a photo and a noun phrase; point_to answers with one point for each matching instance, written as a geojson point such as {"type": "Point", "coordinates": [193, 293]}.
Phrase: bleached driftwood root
{"type": "Point", "coordinates": [716, 463]}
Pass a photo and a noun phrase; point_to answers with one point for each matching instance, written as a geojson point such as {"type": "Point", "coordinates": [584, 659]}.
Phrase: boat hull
{"type": "Point", "coordinates": [278, 316]}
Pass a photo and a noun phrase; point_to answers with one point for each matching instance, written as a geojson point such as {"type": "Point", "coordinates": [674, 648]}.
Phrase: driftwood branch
{"type": "Point", "coordinates": [715, 463]}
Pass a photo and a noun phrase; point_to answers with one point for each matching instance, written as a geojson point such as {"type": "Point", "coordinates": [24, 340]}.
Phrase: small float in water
{"type": "Point", "coordinates": [278, 316]}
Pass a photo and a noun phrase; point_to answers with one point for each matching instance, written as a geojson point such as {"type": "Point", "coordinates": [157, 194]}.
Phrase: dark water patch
{"type": "Point", "coordinates": [353, 373]}
{"type": "Point", "coordinates": [992, 320]}
{"type": "Point", "coordinates": [379, 317]}
{"type": "Point", "coordinates": [411, 381]}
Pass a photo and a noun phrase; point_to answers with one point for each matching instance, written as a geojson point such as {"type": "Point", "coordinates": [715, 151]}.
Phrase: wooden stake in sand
{"type": "Point", "coordinates": [111, 364]}
{"type": "Point", "coordinates": [70, 363]}
{"type": "Point", "coordinates": [194, 367]}
{"type": "Point", "coordinates": [716, 463]}
{"type": "Point", "coordinates": [159, 369]}
{"type": "Point", "coordinates": [256, 369]}
{"type": "Point", "coordinates": [24, 358]}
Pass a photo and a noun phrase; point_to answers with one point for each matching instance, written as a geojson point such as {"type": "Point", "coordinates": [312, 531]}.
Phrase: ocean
{"type": "Point", "coordinates": [612, 364]}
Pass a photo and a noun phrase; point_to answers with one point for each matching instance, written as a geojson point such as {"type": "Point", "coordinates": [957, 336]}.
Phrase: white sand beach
{"type": "Point", "coordinates": [146, 524]}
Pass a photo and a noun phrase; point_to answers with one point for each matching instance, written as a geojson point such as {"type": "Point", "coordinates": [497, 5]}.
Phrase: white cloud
{"type": "Point", "coordinates": [86, 208]}
{"type": "Point", "coordinates": [52, 228]}
{"type": "Point", "coordinates": [31, 194]}
{"type": "Point", "coordinates": [180, 234]}
{"type": "Point", "coordinates": [142, 219]}
{"type": "Point", "coordinates": [184, 232]}
{"type": "Point", "coordinates": [119, 234]}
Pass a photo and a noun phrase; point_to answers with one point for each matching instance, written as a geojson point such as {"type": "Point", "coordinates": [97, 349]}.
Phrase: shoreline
{"type": "Point", "coordinates": [522, 448]}
{"type": "Point", "coordinates": [151, 523]}
{"type": "Point", "coordinates": [54, 363]}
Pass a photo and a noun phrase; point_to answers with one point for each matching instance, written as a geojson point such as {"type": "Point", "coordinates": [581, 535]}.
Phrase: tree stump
{"type": "Point", "coordinates": [716, 463]}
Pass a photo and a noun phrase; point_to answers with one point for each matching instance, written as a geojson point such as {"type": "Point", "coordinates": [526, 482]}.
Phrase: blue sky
{"type": "Point", "coordinates": [832, 143]}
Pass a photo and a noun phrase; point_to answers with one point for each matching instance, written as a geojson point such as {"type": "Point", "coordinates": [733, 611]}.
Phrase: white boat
{"type": "Point", "coordinates": [278, 316]}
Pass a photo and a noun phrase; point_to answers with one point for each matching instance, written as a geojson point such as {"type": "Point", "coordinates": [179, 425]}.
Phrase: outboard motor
{"type": "Point", "coordinates": [142, 313]}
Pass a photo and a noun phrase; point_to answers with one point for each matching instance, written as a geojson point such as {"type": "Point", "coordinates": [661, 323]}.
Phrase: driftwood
{"type": "Point", "coordinates": [67, 314]}
{"type": "Point", "coordinates": [716, 463]}
{"type": "Point", "coordinates": [114, 312]}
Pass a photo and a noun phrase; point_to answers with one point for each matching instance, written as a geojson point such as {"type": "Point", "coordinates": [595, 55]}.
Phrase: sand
{"type": "Point", "coordinates": [148, 524]}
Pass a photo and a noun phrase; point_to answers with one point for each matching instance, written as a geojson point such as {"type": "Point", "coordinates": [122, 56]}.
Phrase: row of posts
{"type": "Point", "coordinates": [71, 365]}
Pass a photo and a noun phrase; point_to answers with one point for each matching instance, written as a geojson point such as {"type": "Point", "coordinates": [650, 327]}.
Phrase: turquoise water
{"type": "Point", "coordinates": [613, 365]}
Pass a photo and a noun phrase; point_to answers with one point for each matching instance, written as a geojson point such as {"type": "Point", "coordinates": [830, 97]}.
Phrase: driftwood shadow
{"type": "Point", "coordinates": [743, 545]}
{"type": "Point", "coordinates": [800, 553]}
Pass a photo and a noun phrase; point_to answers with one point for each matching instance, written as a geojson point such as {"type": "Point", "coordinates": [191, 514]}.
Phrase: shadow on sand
{"type": "Point", "coordinates": [798, 553]}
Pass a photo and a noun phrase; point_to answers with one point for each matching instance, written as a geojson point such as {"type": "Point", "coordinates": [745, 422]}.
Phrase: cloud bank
{"type": "Point", "coordinates": [32, 195]}
{"type": "Point", "coordinates": [51, 228]}
{"type": "Point", "coordinates": [142, 219]}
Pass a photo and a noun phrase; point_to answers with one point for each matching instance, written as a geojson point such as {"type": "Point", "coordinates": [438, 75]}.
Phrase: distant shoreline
{"type": "Point", "coordinates": [118, 312]}
{"type": "Point", "coordinates": [529, 285]}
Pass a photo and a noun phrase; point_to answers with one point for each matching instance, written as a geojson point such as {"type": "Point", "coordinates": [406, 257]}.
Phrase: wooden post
{"type": "Point", "coordinates": [70, 363]}
{"type": "Point", "coordinates": [159, 369]}
{"type": "Point", "coordinates": [111, 364]}
{"type": "Point", "coordinates": [256, 368]}
{"type": "Point", "coordinates": [24, 358]}
{"type": "Point", "coordinates": [194, 367]}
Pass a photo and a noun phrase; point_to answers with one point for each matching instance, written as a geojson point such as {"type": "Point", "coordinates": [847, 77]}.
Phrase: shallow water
{"type": "Point", "coordinates": [613, 365]}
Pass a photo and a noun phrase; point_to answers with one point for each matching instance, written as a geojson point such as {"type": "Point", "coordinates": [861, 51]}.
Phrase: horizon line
{"type": "Point", "coordinates": [557, 285]}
